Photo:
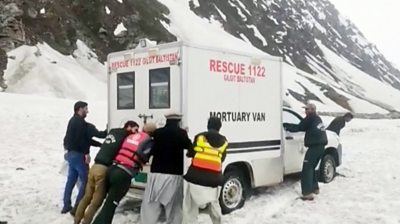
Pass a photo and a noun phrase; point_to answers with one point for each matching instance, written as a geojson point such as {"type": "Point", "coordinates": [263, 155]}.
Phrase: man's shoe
{"type": "Point", "coordinates": [66, 209]}
{"type": "Point", "coordinates": [307, 197]}
{"type": "Point", "coordinates": [316, 191]}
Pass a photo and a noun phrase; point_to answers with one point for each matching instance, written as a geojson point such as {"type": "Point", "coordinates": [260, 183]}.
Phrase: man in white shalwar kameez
{"type": "Point", "coordinates": [204, 176]}
{"type": "Point", "coordinates": [164, 190]}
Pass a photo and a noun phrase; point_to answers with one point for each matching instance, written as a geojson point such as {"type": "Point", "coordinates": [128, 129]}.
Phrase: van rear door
{"type": "Point", "coordinates": [143, 85]}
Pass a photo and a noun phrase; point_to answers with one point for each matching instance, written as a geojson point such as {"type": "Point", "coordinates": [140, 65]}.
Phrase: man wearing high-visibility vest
{"type": "Point", "coordinates": [204, 175]}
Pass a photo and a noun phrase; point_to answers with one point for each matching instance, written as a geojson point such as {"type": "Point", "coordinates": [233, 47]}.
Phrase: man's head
{"type": "Point", "coordinates": [214, 123]}
{"type": "Point", "coordinates": [173, 118]}
{"type": "Point", "coordinates": [149, 128]}
{"type": "Point", "coordinates": [131, 126]}
{"type": "Point", "coordinates": [310, 109]}
{"type": "Point", "coordinates": [81, 108]}
{"type": "Point", "coordinates": [348, 117]}
{"type": "Point", "coordinates": [173, 115]}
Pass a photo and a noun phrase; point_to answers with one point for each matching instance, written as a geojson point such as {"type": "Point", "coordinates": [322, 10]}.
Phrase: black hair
{"type": "Point", "coordinates": [131, 124]}
{"type": "Point", "coordinates": [214, 123]}
{"type": "Point", "coordinates": [78, 105]}
{"type": "Point", "coordinates": [349, 115]}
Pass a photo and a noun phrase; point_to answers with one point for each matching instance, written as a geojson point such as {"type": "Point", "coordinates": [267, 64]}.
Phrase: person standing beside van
{"type": "Point", "coordinates": [77, 142]}
{"type": "Point", "coordinates": [315, 139]}
{"type": "Point", "coordinates": [204, 175]}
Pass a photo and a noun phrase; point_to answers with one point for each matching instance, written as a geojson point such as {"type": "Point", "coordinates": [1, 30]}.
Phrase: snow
{"type": "Point", "coordinates": [369, 87]}
{"type": "Point", "coordinates": [35, 127]}
{"type": "Point", "coordinates": [293, 76]}
{"type": "Point", "coordinates": [335, 31]}
{"type": "Point", "coordinates": [281, 33]}
{"type": "Point", "coordinates": [245, 38]}
{"type": "Point", "coordinates": [107, 10]}
{"type": "Point", "coordinates": [258, 34]}
{"type": "Point", "coordinates": [239, 10]}
{"type": "Point", "coordinates": [343, 20]}
{"type": "Point", "coordinates": [188, 29]}
{"type": "Point", "coordinates": [196, 3]}
{"type": "Point", "coordinates": [273, 19]}
{"type": "Point", "coordinates": [289, 61]}
{"type": "Point", "coordinates": [120, 1]}
{"type": "Point", "coordinates": [43, 11]}
{"type": "Point", "coordinates": [311, 21]}
{"type": "Point", "coordinates": [44, 84]}
{"type": "Point", "coordinates": [119, 29]}
{"type": "Point", "coordinates": [40, 70]}
{"type": "Point", "coordinates": [242, 6]}
{"type": "Point", "coordinates": [221, 13]}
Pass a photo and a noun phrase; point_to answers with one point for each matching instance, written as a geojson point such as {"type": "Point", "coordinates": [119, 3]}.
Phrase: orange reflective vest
{"type": "Point", "coordinates": [208, 157]}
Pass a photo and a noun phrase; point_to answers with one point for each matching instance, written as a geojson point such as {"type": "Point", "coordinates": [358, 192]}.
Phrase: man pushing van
{"type": "Point", "coordinates": [315, 139]}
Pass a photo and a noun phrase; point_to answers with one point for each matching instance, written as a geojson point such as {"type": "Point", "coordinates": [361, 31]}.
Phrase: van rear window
{"type": "Point", "coordinates": [159, 88]}
{"type": "Point", "coordinates": [126, 90]}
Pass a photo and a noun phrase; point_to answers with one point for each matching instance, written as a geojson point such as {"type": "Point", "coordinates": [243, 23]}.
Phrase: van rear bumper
{"type": "Point", "coordinates": [135, 192]}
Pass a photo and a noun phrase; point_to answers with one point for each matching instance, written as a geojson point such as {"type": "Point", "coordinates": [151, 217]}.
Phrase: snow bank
{"type": "Point", "coordinates": [40, 70]}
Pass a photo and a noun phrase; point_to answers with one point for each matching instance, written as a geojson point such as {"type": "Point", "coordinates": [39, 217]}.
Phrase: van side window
{"type": "Point", "coordinates": [159, 88]}
{"type": "Point", "coordinates": [126, 90]}
{"type": "Point", "coordinates": [290, 117]}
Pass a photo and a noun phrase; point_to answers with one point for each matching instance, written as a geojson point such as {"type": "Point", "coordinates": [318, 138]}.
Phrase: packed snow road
{"type": "Point", "coordinates": [32, 128]}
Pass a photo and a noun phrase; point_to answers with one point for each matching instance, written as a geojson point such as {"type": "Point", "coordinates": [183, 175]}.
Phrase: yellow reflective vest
{"type": "Point", "coordinates": [208, 157]}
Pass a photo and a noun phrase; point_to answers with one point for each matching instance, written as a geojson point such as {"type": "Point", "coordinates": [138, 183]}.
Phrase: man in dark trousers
{"type": "Point", "coordinates": [164, 190]}
{"type": "Point", "coordinates": [96, 187]}
{"type": "Point", "coordinates": [133, 154]}
{"type": "Point", "coordinates": [339, 122]}
{"type": "Point", "coordinates": [315, 139]}
{"type": "Point", "coordinates": [77, 142]}
{"type": "Point", "coordinates": [204, 175]}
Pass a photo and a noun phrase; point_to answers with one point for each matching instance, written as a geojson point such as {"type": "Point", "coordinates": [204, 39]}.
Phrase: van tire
{"type": "Point", "coordinates": [327, 168]}
{"type": "Point", "coordinates": [234, 191]}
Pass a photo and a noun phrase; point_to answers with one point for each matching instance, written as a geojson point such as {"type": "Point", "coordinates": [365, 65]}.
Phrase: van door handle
{"type": "Point", "coordinates": [144, 116]}
{"type": "Point", "coordinates": [289, 138]}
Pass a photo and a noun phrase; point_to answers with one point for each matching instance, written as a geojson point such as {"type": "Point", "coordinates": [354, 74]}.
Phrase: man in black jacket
{"type": "Point", "coordinates": [77, 142]}
{"type": "Point", "coordinates": [164, 188]}
{"type": "Point", "coordinates": [315, 139]}
{"type": "Point", "coordinates": [204, 175]}
{"type": "Point", "coordinates": [338, 123]}
{"type": "Point", "coordinates": [96, 188]}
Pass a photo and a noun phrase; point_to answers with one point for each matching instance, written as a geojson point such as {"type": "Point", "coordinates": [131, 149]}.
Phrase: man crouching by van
{"type": "Point", "coordinates": [95, 187]}
{"type": "Point", "coordinates": [315, 139]}
{"type": "Point", "coordinates": [204, 176]}
{"type": "Point", "coordinates": [134, 153]}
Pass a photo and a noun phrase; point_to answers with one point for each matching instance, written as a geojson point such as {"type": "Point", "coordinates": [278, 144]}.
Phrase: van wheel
{"type": "Point", "coordinates": [233, 192]}
{"type": "Point", "coordinates": [327, 168]}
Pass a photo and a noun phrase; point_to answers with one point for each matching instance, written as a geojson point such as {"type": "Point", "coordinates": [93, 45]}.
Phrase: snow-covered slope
{"type": "Point", "coordinates": [40, 70]}
{"type": "Point", "coordinates": [348, 86]}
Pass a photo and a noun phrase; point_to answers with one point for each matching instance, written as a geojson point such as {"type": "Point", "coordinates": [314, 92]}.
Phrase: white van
{"type": "Point", "coordinates": [245, 91]}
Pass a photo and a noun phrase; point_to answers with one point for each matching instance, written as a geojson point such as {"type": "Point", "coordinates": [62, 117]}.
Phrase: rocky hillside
{"type": "Point", "coordinates": [300, 31]}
